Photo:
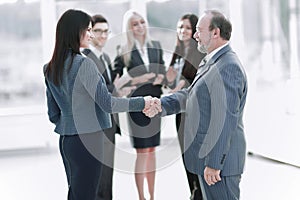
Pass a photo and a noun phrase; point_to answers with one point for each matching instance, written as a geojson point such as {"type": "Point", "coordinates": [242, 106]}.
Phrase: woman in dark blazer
{"type": "Point", "coordinates": [79, 104]}
{"type": "Point", "coordinates": [143, 60]}
{"type": "Point", "coordinates": [184, 63]}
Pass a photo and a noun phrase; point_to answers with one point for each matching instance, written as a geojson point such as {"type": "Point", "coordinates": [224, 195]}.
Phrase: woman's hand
{"type": "Point", "coordinates": [119, 82]}
{"type": "Point", "coordinates": [159, 79]}
{"type": "Point", "coordinates": [178, 87]}
{"type": "Point", "coordinates": [124, 91]}
{"type": "Point", "coordinates": [142, 79]}
{"type": "Point", "coordinates": [171, 74]}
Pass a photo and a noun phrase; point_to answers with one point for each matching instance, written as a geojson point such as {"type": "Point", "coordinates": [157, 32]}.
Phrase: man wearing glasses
{"type": "Point", "coordinates": [100, 29]}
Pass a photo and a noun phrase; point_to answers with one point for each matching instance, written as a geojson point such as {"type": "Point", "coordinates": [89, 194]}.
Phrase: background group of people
{"type": "Point", "coordinates": [84, 95]}
{"type": "Point", "coordinates": [145, 64]}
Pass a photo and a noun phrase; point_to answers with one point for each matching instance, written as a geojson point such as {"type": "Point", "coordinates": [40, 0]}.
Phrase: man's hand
{"type": "Point", "coordinates": [211, 175]}
{"type": "Point", "coordinates": [152, 106]}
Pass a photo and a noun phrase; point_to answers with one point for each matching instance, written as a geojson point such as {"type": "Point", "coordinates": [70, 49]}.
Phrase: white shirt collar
{"type": "Point", "coordinates": [96, 51]}
{"type": "Point", "coordinates": [209, 56]}
{"type": "Point", "coordinates": [138, 44]}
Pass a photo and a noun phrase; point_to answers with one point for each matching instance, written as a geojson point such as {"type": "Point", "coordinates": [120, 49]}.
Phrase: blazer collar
{"type": "Point", "coordinates": [221, 52]}
{"type": "Point", "coordinates": [151, 54]}
{"type": "Point", "coordinates": [208, 65]}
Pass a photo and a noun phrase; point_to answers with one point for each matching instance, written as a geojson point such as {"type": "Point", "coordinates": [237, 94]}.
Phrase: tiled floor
{"type": "Point", "coordinates": [272, 130]}
{"type": "Point", "coordinates": [38, 174]}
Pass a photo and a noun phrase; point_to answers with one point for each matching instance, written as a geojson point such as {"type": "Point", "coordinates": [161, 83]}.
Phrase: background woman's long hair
{"type": "Point", "coordinates": [70, 28]}
{"type": "Point", "coordinates": [179, 49]}
{"type": "Point", "coordinates": [127, 30]}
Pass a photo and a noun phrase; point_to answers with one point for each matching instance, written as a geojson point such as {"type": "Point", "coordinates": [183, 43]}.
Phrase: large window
{"type": "Point", "coordinates": [21, 55]}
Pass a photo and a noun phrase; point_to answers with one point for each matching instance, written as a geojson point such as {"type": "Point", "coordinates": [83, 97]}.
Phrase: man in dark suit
{"type": "Point", "coordinates": [100, 29]}
{"type": "Point", "coordinates": [214, 139]}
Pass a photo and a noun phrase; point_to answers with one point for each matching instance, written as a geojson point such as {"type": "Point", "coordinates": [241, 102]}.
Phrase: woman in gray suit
{"type": "Point", "coordinates": [79, 104]}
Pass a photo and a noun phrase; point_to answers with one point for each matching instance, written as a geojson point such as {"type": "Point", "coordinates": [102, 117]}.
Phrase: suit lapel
{"type": "Point", "coordinates": [151, 54]}
{"type": "Point", "coordinates": [208, 65]}
{"type": "Point", "coordinates": [137, 59]}
{"type": "Point", "coordinates": [200, 74]}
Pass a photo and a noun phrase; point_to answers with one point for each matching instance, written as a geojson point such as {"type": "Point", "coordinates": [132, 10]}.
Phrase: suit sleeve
{"type": "Point", "coordinates": [54, 112]}
{"type": "Point", "coordinates": [162, 67]}
{"type": "Point", "coordinates": [225, 91]}
{"type": "Point", "coordinates": [95, 85]}
{"type": "Point", "coordinates": [161, 62]}
{"type": "Point", "coordinates": [175, 103]}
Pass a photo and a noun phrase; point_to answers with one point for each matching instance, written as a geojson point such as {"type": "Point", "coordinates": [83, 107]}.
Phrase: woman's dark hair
{"type": "Point", "coordinates": [179, 49]}
{"type": "Point", "coordinates": [192, 57]}
{"type": "Point", "coordinates": [69, 30]}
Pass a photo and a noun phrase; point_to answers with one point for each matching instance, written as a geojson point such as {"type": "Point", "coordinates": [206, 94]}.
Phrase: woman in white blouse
{"type": "Point", "coordinates": [143, 60]}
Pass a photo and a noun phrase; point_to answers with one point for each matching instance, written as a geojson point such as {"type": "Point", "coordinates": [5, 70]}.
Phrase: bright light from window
{"type": "Point", "coordinates": [7, 1]}
{"type": "Point", "coordinates": [15, 1]}
{"type": "Point", "coordinates": [159, 1]}
{"type": "Point", "coordinates": [31, 1]}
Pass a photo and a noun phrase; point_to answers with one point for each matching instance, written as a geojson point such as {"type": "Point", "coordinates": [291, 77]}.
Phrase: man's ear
{"type": "Point", "coordinates": [216, 32]}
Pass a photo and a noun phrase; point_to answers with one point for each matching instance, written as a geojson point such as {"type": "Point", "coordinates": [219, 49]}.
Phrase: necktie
{"type": "Point", "coordinates": [106, 67]}
{"type": "Point", "coordinates": [201, 66]}
{"type": "Point", "coordinates": [200, 71]}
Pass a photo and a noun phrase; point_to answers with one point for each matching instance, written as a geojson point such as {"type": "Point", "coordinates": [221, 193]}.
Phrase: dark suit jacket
{"type": "Point", "coordinates": [109, 84]}
{"type": "Point", "coordinates": [136, 68]}
{"type": "Point", "coordinates": [214, 104]}
{"type": "Point", "coordinates": [138, 122]}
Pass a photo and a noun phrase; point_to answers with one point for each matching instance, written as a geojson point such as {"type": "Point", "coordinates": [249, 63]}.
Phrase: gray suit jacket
{"type": "Point", "coordinates": [214, 104]}
{"type": "Point", "coordinates": [82, 103]}
{"type": "Point", "coordinates": [109, 84]}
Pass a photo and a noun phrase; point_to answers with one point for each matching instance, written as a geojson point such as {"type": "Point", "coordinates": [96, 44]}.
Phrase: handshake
{"type": "Point", "coordinates": [152, 106]}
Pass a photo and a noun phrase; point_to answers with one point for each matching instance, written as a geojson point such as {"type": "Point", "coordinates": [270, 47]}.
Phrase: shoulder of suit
{"type": "Point", "coordinates": [86, 51]}
{"type": "Point", "coordinates": [156, 44]}
{"type": "Point", "coordinates": [106, 55]}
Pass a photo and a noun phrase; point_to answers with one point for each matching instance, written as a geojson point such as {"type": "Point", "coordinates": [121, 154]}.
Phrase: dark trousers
{"type": "Point", "coordinates": [81, 156]}
{"type": "Point", "coordinates": [106, 178]}
{"type": "Point", "coordinates": [226, 189]}
{"type": "Point", "coordinates": [193, 180]}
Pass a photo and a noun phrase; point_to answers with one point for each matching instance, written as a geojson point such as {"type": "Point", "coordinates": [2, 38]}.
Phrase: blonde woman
{"type": "Point", "coordinates": [143, 60]}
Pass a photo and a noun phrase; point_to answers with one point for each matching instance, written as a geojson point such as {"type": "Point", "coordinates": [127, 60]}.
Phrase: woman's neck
{"type": "Point", "coordinates": [141, 40]}
{"type": "Point", "coordinates": [186, 43]}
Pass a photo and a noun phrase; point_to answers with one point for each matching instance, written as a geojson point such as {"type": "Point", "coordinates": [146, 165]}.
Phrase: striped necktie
{"type": "Point", "coordinates": [201, 66]}
{"type": "Point", "coordinates": [200, 72]}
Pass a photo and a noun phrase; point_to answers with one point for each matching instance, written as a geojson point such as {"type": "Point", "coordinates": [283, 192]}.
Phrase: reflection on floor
{"type": "Point", "coordinates": [38, 174]}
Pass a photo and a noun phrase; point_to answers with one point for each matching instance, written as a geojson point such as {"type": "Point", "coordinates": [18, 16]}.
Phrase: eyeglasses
{"type": "Point", "coordinates": [100, 31]}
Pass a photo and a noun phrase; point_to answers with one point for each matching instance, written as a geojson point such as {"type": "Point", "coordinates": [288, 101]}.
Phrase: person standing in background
{"type": "Point", "coordinates": [79, 104]}
{"type": "Point", "coordinates": [143, 60]}
{"type": "Point", "coordinates": [183, 67]}
{"type": "Point", "coordinates": [100, 29]}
